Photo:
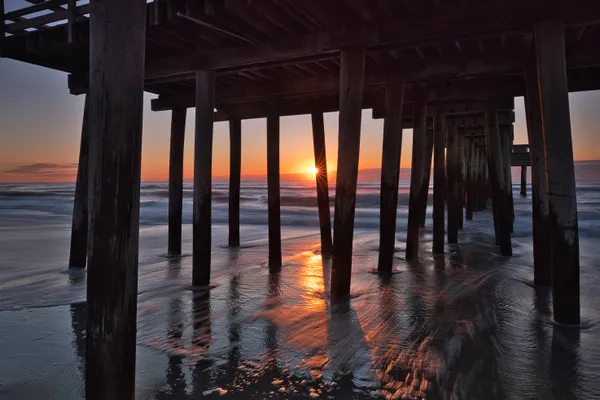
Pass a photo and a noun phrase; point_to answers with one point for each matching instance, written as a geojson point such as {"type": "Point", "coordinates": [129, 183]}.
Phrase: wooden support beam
{"type": "Point", "coordinates": [560, 170]}
{"type": "Point", "coordinates": [471, 173]}
{"type": "Point", "coordinates": [439, 182]}
{"type": "Point", "coordinates": [79, 227]}
{"type": "Point", "coordinates": [389, 33]}
{"type": "Point", "coordinates": [274, 201]}
{"type": "Point", "coordinates": [203, 147]}
{"type": "Point", "coordinates": [542, 254]}
{"type": "Point", "coordinates": [178, 118]}
{"type": "Point", "coordinates": [500, 200]}
{"type": "Point", "coordinates": [32, 9]}
{"type": "Point", "coordinates": [115, 124]}
{"type": "Point", "coordinates": [72, 18]}
{"type": "Point", "coordinates": [460, 158]}
{"type": "Point", "coordinates": [419, 186]}
{"type": "Point", "coordinates": [523, 191]}
{"type": "Point", "coordinates": [486, 189]}
{"type": "Point", "coordinates": [235, 165]}
{"type": "Point", "coordinates": [2, 27]}
{"type": "Point", "coordinates": [352, 71]}
{"type": "Point", "coordinates": [452, 169]}
{"type": "Point", "coordinates": [37, 22]}
{"type": "Point", "coordinates": [428, 160]}
{"type": "Point", "coordinates": [506, 140]}
{"type": "Point", "coordinates": [390, 173]}
{"type": "Point", "coordinates": [322, 185]}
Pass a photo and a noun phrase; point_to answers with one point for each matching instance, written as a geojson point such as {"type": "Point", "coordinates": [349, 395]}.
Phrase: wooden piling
{"type": "Point", "coordinates": [352, 70]}
{"type": "Point", "coordinates": [115, 126]}
{"type": "Point", "coordinates": [235, 166]}
{"type": "Point", "coordinates": [497, 183]}
{"type": "Point", "coordinates": [560, 170]}
{"type": "Point", "coordinates": [203, 146]}
{"type": "Point", "coordinates": [453, 172]}
{"type": "Point", "coordinates": [484, 185]}
{"type": "Point", "coordinates": [273, 193]}
{"type": "Point", "coordinates": [506, 134]}
{"type": "Point", "coordinates": [390, 173]}
{"type": "Point", "coordinates": [439, 182]}
{"type": "Point", "coordinates": [542, 256]}
{"type": "Point", "coordinates": [471, 173]}
{"type": "Point", "coordinates": [418, 186]}
{"type": "Point", "coordinates": [79, 225]}
{"type": "Point", "coordinates": [322, 184]}
{"type": "Point", "coordinates": [461, 177]}
{"type": "Point", "coordinates": [178, 118]}
{"type": "Point", "coordinates": [523, 181]}
{"type": "Point", "coordinates": [428, 161]}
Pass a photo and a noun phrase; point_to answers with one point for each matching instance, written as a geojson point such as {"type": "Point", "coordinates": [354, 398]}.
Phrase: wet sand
{"type": "Point", "coordinates": [466, 325]}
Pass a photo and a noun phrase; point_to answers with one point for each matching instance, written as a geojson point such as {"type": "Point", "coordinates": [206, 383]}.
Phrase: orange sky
{"type": "Point", "coordinates": [40, 128]}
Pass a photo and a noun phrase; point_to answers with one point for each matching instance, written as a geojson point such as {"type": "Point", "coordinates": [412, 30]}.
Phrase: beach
{"type": "Point", "coordinates": [468, 324]}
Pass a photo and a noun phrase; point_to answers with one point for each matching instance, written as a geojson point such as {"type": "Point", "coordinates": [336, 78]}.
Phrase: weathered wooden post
{"type": "Point", "coordinates": [484, 187]}
{"type": "Point", "coordinates": [115, 125]}
{"type": "Point", "coordinates": [178, 117]}
{"type": "Point", "coordinates": [203, 146]}
{"type": "Point", "coordinates": [2, 28]}
{"type": "Point", "coordinates": [523, 181]}
{"type": "Point", "coordinates": [352, 71]}
{"type": "Point", "coordinates": [560, 169]}
{"type": "Point", "coordinates": [322, 184]}
{"type": "Point", "coordinates": [235, 166]}
{"type": "Point", "coordinates": [428, 160]}
{"type": "Point", "coordinates": [471, 174]}
{"type": "Point", "coordinates": [273, 193]}
{"type": "Point", "coordinates": [418, 186]}
{"type": "Point", "coordinates": [390, 173]}
{"type": "Point", "coordinates": [506, 138]}
{"type": "Point", "coordinates": [497, 182]}
{"type": "Point", "coordinates": [453, 182]}
{"type": "Point", "coordinates": [79, 226]}
{"type": "Point", "coordinates": [542, 255]}
{"type": "Point", "coordinates": [460, 148]}
{"type": "Point", "coordinates": [439, 181]}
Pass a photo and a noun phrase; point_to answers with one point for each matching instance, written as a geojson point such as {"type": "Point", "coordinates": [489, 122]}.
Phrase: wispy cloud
{"type": "Point", "coordinates": [43, 169]}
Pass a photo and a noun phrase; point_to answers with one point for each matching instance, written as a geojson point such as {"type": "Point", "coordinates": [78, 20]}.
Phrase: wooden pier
{"type": "Point", "coordinates": [450, 70]}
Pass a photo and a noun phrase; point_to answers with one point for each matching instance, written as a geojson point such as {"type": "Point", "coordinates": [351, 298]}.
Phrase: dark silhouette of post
{"type": "Point", "coordinates": [115, 125]}
{"type": "Point", "coordinates": [439, 182]}
{"type": "Point", "coordinates": [500, 202]}
{"type": "Point", "coordinates": [460, 157]}
{"type": "Point", "coordinates": [273, 194]}
{"type": "Point", "coordinates": [79, 226]}
{"type": "Point", "coordinates": [542, 255]}
{"type": "Point", "coordinates": [203, 146]}
{"type": "Point", "coordinates": [417, 202]}
{"type": "Point", "coordinates": [471, 173]}
{"type": "Point", "coordinates": [560, 170]}
{"type": "Point", "coordinates": [235, 166]}
{"type": "Point", "coordinates": [523, 181]}
{"type": "Point", "coordinates": [176, 179]}
{"type": "Point", "coordinates": [428, 160]}
{"type": "Point", "coordinates": [352, 71]}
{"type": "Point", "coordinates": [453, 173]}
{"type": "Point", "coordinates": [506, 139]}
{"type": "Point", "coordinates": [390, 173]}
{"type": "Point", "coordinates": [321, 180]}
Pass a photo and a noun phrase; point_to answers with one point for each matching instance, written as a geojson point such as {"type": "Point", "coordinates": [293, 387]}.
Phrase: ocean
{"type": "Point", "coordinates": [468, 324]}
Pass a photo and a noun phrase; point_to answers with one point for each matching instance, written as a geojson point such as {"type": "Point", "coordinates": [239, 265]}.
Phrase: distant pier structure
{"type": "Point", "coordinates": [447, 69]}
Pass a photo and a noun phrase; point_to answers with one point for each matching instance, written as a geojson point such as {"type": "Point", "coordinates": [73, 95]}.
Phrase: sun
{"type": "Point", "coordinates": [314, 171]}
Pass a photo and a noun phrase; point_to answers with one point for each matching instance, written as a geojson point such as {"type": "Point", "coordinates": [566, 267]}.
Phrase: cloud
{"type": "Point", "coordinates": [44, 169]}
